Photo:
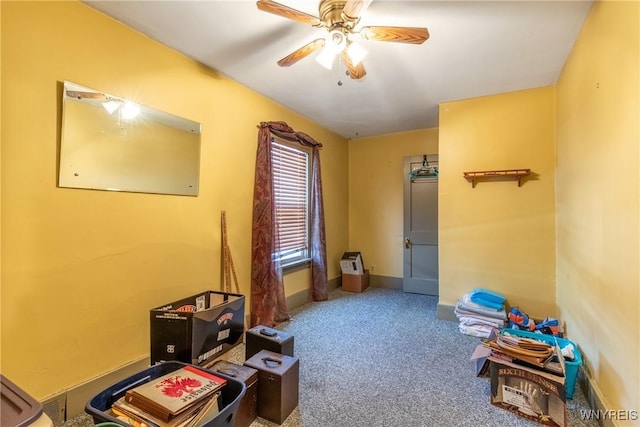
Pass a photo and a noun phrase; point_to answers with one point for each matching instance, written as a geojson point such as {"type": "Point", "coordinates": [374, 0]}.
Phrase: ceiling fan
{"type": "Point", "coordinates": [340, 18]}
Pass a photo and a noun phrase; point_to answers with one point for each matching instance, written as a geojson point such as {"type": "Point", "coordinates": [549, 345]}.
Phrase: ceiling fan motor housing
{"type": "Point", "coordinates": [331, 15]}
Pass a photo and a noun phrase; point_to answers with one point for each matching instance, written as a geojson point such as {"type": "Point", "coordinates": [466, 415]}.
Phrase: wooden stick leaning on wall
{"type": "Point", "coordinates": [229, 269]}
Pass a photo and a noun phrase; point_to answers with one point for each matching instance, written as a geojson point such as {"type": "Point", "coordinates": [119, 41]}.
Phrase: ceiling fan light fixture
{"type": "Point", "coordinates": [336, 41]}
{"type": "Point", "coordinates": [326, 57]}
{"type": "Point", "coordinates": [356, 53]}
{"type": "Point", "coordinates": [333, 45]}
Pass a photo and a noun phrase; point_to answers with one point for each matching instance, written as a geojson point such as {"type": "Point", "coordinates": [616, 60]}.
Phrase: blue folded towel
{"type": "Point", "coordinates": [488, 298]}
{"type": "Point", "coordinates": [489, 295]}
{"type": "Point", "coordinates": [487, 303]}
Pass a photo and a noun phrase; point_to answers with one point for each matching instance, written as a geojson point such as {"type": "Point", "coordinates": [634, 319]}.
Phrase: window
{"type": "Point", "coordinates": [290, 165]}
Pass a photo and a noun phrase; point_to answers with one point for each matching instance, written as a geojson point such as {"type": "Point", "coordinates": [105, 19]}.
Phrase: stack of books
{"type": "Point", "coordinates": [528, 352]}
{"type": "Point", "coordinates": [187, 397]}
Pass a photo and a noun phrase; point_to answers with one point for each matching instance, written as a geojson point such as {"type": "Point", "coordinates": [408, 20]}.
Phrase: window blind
{"type": "Point", "coordinates": [290, 175]}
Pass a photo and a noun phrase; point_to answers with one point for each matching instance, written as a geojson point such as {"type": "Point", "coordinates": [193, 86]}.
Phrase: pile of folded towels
{"type": "Point", "coordinates": [481, 311]}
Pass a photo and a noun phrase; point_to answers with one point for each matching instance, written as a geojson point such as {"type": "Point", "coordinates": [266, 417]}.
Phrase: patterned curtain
{"type": "Point", "coordinates": [319, 290]}
{"type": "Point", "coordinates": [268, 305]}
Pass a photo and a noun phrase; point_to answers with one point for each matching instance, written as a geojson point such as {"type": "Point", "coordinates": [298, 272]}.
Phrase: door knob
{"type": "Point", "coordinates": [407, 242]}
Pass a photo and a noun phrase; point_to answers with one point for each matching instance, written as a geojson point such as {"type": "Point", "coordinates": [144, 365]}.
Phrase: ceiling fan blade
{"type": "Point", "coordinates": [353, 8]}
{"type": "Point", "coordinates": [303, 52]}
{"type": "Point", "coordinates": [288, 12]}
{"type": "Point", "coordinates": [413, 35]}
{"type": "Point", "coordinates": [355, 72]}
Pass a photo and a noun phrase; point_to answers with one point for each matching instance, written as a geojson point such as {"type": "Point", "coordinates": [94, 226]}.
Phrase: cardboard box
{"type": "Point", "coordinates": [355, 282]}
{"type": "Point", "coordinates": [198, 328]}
{"type": "Point", "coordinates": [351, 263]}
{"type": "Point", "coordinates": [528, 392]}
{"type": "Point", "coordinates": [480, 357]}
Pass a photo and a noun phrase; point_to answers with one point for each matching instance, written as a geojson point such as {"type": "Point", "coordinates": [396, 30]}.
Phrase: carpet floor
{"type": "Point", "coordinates": [382, 358]}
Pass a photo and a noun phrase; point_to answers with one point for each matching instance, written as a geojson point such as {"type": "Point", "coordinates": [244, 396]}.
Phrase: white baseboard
{"type": "Point", "coordinates": [594, 399]}
{"type": "Point", "coordinates": [389, 282]}
{"type": "Point", "coordinates": [446, 312]}
{"type": "Point", "coordinates": [72, 402]}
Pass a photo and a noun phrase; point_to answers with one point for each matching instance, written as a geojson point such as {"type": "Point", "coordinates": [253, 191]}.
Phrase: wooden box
{"type": "Point", "coordinates": [248, 408]}
{"type": "Point", "coordinates": [278, 382]}
{"type": "Point", "coordinates": [355, 282]}
{"type": "Point", "coordinates": [263, 338]}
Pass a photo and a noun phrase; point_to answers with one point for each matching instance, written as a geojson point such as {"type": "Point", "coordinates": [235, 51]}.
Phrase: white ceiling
{"type": "Point", "coordinates": [476, 48]}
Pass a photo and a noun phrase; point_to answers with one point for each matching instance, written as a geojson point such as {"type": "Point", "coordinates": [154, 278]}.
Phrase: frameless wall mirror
{"type": "Point", "coordinates": [109, 143]}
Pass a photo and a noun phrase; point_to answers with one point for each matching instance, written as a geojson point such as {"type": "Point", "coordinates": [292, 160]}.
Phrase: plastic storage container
{"type": "Point", "coordinates": [571, 367]}
{"type": "Point", "coordinates": [232, 393]}
{"type": "Point", "coordinates": [19, 409]}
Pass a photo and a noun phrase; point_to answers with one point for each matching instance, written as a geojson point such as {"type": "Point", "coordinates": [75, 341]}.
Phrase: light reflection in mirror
{"type": "Point", "coordinates": [110, 143]}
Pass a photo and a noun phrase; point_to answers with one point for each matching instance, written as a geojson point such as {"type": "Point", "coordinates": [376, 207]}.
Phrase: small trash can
{"type": "Point", "coordinates": [19, 409]}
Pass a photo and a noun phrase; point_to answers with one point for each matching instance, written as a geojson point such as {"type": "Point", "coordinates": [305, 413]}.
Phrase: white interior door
{"type": "Point", "coordinates": [420, 226]}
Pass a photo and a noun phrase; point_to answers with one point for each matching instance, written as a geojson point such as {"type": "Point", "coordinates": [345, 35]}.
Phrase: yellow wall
{"type": "Point", "coordinates": [82, 268]}
{"type": "Point", "coordinates": [375, 196]}
{"type": "Point", "coordinates": [497, 235]}
{"type": "Point", "coordinates": [598, 193]}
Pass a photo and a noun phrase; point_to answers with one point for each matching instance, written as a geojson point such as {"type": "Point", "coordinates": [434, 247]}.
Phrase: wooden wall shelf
{"type": "Point", "coordinates": [516, 174]}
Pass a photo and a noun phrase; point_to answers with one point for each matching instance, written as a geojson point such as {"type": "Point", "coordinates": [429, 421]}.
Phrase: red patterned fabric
{"type": "Point", "coordinates": [319, 291]}
{"type": "Point", "coordinates": [268, 305]}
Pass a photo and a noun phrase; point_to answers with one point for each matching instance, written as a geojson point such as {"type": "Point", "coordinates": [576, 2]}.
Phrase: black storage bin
{"type": "Point", "coordinates": [232, 394]}
{"type": "Point", "coordinates": [196, 329]}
